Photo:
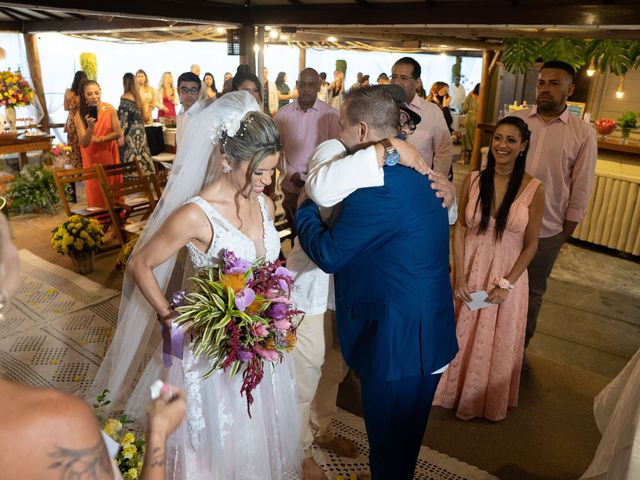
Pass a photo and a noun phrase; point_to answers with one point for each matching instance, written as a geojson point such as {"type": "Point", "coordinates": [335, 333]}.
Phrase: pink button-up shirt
{"type": "Point", "coordinates": [432, 137]}
{"type": "Point", "coordinates": [562, 155]}
{"type": "Point", "coordinates": [301, 132]}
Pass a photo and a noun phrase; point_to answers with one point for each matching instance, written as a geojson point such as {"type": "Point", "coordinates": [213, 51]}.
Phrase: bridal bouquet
{"type": "Point", "coordinates": [240, 315]}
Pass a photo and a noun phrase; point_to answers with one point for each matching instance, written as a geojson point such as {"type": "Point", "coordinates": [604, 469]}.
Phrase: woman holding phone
{"type": "Point", "coordinates": [98, 129]}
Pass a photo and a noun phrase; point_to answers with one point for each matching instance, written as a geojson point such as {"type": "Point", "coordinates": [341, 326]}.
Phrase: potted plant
{"type": "Point", "coordinates": [627, 121]}
{"type": "Point", "coordinates": [34, 190]}
{"type": "Point", "coordinates": [78, 237]}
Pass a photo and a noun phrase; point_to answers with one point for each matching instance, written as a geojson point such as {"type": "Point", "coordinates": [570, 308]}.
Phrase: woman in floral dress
{"type": "Point", "coordinates": [133, 143]}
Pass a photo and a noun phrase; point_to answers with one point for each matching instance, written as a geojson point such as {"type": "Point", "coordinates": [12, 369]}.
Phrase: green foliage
{"type": "Point", "coordinates": [520, 53]}
{"type": "Point", "coordinates": [341, 66]}
{"type": "Point", "coordinates": [565, 50]}
{"type": "Point", "coordinates": [34, 189]}
{"type": "Point", "coordinates": [615, 56]}
{"type": "Point", "coordinates": [628, 120]}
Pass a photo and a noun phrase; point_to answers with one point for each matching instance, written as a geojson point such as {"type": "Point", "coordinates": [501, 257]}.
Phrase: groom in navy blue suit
{"type": "Point", "coordinates": [389, 250]}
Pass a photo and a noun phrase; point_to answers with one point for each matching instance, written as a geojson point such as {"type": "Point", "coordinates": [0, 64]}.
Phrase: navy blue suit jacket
{"type": "Point", "coordinates": [389, 250]}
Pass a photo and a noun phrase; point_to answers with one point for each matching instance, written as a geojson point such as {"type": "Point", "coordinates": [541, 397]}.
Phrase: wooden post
{"type": "Point", "coordinates": [483, 101]}
{"type": "Point", "coordinates": [33, 58]}
{"type": "Point", "coordinates": [302, 59]}
{"type": "Point", "coordinates": [260, 43]}
{"type": "Point", "coordinates": [247, 41]}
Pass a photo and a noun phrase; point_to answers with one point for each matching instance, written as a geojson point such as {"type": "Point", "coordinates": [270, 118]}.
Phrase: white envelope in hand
{"type": "Point", "coordinates": [478, 300]}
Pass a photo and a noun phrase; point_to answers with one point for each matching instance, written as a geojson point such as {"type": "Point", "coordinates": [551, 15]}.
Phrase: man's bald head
{"type": "Point", "coordinates": [308, 87]}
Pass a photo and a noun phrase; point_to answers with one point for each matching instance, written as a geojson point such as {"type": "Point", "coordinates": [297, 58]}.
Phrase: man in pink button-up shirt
{"type": "Point", "coordinates": [562, 155]}
{"type": "Point", "coordinates": [432, 137]}
{"type": "Point", "coordinates": [304, 124]}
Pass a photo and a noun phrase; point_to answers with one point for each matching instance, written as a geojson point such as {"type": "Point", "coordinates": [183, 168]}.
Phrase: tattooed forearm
{"type": "Point", "coordinates": [82, 464]}
{"type": "Point", "coordinates": [155, 458]}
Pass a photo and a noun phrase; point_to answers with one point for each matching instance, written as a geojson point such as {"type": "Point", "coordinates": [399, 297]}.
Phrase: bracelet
{"type": "Point", "coordinates": [173, 314]}
{"type": "Point", "coordinates": [504, 284]}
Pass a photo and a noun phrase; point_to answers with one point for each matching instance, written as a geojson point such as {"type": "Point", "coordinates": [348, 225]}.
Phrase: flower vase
{"type": "Point", "coordinates": [10, 116]}
{"type": "Point", "coordinates": [82, 261]}
{"type": "Point", "coordinates": [626, 132]}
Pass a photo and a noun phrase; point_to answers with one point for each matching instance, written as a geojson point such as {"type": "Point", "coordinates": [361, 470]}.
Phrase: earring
{"type": "Point", "coordinates": [226, 169]}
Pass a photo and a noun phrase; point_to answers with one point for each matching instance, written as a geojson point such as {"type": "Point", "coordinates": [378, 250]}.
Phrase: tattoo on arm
{"type": "Point", "coordinates": [156, 458]}
{"type": "Point", "coordinates": [91, 463]}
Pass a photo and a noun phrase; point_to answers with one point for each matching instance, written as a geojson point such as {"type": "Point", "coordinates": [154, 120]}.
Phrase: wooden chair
{"type": "Point", "coordinates": [128, 171]}
{"type": "Point", "coordinates": [67, 177]}
{"type": "Point", "coordinates": [127, 199]}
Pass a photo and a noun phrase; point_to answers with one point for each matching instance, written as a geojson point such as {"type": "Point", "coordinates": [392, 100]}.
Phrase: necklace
{"type": "Point", "coordinates": [503, 173]}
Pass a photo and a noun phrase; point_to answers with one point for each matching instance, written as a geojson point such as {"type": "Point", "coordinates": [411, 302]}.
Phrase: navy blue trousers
{"type": "Point", "coordinates": [396, 414]}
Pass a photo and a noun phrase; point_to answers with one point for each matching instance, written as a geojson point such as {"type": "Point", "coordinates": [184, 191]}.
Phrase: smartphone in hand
{"type": "Point", "coordinates": [93, 111]}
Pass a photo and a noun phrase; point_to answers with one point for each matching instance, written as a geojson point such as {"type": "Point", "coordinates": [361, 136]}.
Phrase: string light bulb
{"type": "Point", "coordinates": [274, 34]}
{"type": "Point", "coordinates": [591, 70]}
{"type": "Point", "coordinates": [256, 48]}
{"type": "Point", "coordinates": [620, 90]}
{"type": "Point", "coordinates": [332, 39]}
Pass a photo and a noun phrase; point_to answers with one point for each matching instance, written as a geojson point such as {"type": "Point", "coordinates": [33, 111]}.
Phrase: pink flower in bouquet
{"type": "Point", "coordinates": [244, 355]}
{"type": "Point", "coordinates": [269, 355]}
{"type": "Point", "coordinates": [233, 264]}
{"type": "Point", "coordinates": [283, 325]}
{"type": "Point", "coordinates": [260, 330]}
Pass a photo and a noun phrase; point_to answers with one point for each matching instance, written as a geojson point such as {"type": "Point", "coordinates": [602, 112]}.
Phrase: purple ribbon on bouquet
{"type": "Point", "coordinates": [173, 335]}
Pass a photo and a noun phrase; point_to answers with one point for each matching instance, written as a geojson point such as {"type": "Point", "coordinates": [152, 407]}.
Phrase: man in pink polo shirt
{"type": "Point", "coordinates": [304, 124]}
{"type": "Point", "coordinates": [562, 155]}
{"type": "Point", "coordinates": [432, 137]}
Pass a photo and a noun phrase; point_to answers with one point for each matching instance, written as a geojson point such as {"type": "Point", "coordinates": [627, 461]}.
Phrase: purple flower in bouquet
{"type": "Point", "coordinates": [233, 264]}
{"type": "Point", "coordinates": [244, 355]}
{"type": "Point", "coordinates": [278, 311]}
{"type": "Point", "coordinates": [244, 298]}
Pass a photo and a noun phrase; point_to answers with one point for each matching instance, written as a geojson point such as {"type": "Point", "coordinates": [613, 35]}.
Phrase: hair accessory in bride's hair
{"type": "Point", "coordinates": [228, 126]}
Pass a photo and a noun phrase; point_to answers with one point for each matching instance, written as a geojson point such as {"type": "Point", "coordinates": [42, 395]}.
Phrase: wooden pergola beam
{"type": "Point", "coordinates": [33, 58]}
{"type": "Point", "coordinates": [162, 9]}
{"type": "Point", "coordinates": [546, 12]}
{"type": "Point", "coordinates": [95, 24]}
{"type": "Point", "coordinates": [422, 13]}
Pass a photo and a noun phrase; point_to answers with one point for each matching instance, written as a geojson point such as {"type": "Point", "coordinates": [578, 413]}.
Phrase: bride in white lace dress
{"type": "Point", "coordinates": [218, 440]}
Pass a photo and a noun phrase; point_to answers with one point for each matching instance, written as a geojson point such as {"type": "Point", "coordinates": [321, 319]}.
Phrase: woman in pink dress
{"type": "Point", "coordinates": [166, 95]}
{"type": "Point", "coordinates": [494, 241]}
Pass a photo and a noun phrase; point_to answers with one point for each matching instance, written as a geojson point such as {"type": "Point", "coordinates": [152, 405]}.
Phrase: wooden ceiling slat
{"type": "Point", "coordinates": [25, 14]}
{"type": "Point", "coordinates": [9, 13]}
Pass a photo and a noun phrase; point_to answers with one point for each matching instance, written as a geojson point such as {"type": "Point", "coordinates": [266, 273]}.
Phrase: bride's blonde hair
{"type": "Point", "coordinates": [256, 139]}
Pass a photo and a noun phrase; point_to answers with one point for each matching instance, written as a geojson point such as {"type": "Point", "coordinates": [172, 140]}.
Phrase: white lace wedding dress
{"type": "Point", "coordinates": [218, 440]}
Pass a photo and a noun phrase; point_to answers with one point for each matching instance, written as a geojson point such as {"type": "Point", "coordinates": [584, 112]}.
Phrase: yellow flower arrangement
{"type": "Point", "coordinates": [78, 234]}
{"type": "Point", "coordinates": [125, 252]}
{"type": "Point", "coordinates": [129, 459]}
{"type": "Point", "coordinates": [15, 91]}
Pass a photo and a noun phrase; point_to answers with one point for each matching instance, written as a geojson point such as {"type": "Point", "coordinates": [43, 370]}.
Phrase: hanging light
{"type": "Point", "coordinates": [620, 90]}
{"type": "Point", "coordinates": [332, 39]}
{"type": "Point", "coordinates": [274, 34]}
{"type": "Point", "coordinates": [220, 30]}
{"type": "Point", "coordinates": [256, 48]}
{"type": "Point", "coordinates": [591, 70]}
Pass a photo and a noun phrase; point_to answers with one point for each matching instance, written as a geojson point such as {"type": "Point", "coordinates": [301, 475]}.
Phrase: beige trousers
{"type": "Point", "coordinates": [319, 370]}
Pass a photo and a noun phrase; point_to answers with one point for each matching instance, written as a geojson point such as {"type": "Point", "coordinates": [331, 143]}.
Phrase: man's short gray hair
{"type": "Point", "coordinates": [373, 105]}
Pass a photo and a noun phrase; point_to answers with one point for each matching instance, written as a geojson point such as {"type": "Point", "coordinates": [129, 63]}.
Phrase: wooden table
{"type": "Point", "coordinates": [22, 145]}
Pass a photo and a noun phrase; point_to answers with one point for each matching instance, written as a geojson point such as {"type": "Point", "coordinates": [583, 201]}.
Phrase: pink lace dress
{"type": "Point", "coordinates": [484, 377]}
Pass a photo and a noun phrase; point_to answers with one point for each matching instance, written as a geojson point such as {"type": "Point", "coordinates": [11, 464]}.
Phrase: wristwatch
{"type": "Point", "coordinates": [391, 155]}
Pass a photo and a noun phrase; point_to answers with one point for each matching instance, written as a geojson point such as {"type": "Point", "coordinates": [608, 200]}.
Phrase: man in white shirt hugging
{"type": "Point", "coordinates": [335, 173]}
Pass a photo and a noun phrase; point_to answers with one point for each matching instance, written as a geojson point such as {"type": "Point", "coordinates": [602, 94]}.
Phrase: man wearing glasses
{"type": "Point", "coordinates": [189, 85]}
{"type": "Point", "coordinates": [432, 137]}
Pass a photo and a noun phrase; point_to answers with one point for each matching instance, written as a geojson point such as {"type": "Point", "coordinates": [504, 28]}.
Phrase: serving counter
{"type": "Point", "coordinates": [613, 215]}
